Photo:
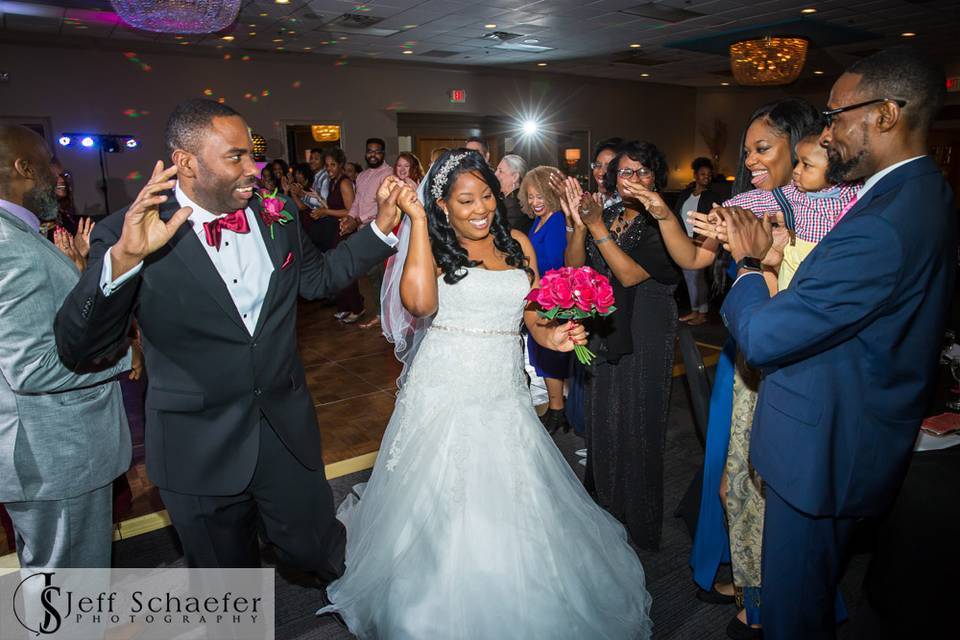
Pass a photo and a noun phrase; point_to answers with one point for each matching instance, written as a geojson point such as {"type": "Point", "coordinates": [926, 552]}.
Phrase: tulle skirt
{"type": "Point", "coordinates": [474, 526]}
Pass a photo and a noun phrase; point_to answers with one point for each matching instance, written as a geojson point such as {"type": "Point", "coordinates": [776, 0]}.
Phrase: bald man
{"type": "Point", "coordinates": [63, 434]}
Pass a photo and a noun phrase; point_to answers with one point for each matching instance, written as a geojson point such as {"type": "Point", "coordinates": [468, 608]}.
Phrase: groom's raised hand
{"type": "Point", "coordinates": [143, 230]}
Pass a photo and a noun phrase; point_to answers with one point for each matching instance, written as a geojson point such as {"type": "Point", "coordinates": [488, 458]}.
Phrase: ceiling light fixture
{"type": "Point", "coordinates": [541, 64]}
{"type": "Point", "coordinates": [908, 34]}
{"type": "Point", "coordinates": [644, 75]}
{"type": "Point", "coordinates": [407, 52]}
{"type": "Point", "coordinates": [531, 41]}
{"type": "Point", "coordinates": [808, 10]}
{"type": "Point", "coordinates": [490, 26]}
{"type": "Point", "coordinates": [635, 45]}
{"type": "Point", "coordinates": [768, 61]}
{"type": "Point", "coordinates": [818, 73]}
{"type": "Point", "coordinates": [724, 84]}
{"type": "Point", "coordinates": [228, 38]}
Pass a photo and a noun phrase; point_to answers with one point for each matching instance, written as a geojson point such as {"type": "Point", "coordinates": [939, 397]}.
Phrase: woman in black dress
{"type": "Point", "coordinates": [628, 386]}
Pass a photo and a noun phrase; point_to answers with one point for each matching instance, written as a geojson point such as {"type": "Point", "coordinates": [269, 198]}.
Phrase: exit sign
{"type": "Point", "coordinates": [458, 96]}
{"type": "Point", "coordinates": [953, 84]}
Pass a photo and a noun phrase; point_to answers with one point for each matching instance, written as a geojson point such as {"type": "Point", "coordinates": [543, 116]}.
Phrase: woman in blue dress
{"type": "Point", "coordinates": [548, 235]}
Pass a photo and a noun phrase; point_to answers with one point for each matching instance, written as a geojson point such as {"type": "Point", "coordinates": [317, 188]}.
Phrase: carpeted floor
{"type": "Point", "coordinates": [676, 613]}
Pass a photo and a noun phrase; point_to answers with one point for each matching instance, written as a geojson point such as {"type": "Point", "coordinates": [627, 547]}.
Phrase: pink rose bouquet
{"type": "Point", "coordinates": [271, 210]}
{"type": "Point", "coordinates": [574, 294]}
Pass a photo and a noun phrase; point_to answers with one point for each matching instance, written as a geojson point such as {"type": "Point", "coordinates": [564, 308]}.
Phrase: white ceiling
{"type": "Point", "coordinates": [584, 37]}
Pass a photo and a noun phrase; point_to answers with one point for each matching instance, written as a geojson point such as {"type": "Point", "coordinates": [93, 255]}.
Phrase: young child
{"type": "Point", "coordinates": [810, 204]}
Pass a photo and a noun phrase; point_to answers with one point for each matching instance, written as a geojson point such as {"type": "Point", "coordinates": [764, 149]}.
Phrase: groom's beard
{"type": "Point", "coordinates": [42, 201]}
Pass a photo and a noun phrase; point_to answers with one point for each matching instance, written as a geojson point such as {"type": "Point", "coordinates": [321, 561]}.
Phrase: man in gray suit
{"type": "Point", "coordinates": [63, 434]}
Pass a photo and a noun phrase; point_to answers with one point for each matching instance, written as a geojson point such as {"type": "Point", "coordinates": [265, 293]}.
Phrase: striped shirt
{"type": "Point", "coordinates": [815, 212]}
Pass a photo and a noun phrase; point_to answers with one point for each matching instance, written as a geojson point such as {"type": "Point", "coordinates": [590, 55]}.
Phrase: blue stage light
{"type": "Point", "coordinates": [131, 143]}
{"type": "Point", "coordinates": [87, 142]}
{"type": "Point", "coordinates": [65, 141]}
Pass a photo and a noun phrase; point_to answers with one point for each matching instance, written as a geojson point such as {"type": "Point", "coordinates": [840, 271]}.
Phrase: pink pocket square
{"type": "Point", "coordinates": [288, 261]}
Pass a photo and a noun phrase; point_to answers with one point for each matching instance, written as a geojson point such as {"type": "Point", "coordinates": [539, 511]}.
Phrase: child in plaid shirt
{"type": "Point", "coordinates": [810, 204]}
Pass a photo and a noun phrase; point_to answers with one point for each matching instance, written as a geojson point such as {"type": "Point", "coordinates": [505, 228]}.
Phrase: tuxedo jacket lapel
{"type": "Point", "coordinates": [188, 248]}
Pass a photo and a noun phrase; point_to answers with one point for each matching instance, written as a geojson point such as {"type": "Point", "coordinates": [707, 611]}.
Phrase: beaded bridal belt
{"type": "Point", "coordinates": [476, 332]}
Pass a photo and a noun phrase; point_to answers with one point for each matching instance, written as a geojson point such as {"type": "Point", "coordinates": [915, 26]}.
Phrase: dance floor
{"type": "Point", "coordinates": [351, 373]}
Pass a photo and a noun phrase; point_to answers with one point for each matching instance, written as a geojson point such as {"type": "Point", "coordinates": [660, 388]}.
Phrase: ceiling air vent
{"type": "Point", "coordinates": [360, 23]}
{"type": "Point", "coordinates": [661, 12]}
{"type": "Point", "coordinates": [502, 36]}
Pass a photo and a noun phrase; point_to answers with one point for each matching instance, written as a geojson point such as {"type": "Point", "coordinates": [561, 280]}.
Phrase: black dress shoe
{"type": "Point", "coordinates": [715, 597]}
{"type": "Point", "coordinates": [736, 630]}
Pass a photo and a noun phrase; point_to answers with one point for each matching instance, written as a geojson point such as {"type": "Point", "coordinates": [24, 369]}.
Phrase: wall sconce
{"type": "Point", "coordinates": [572, 156]}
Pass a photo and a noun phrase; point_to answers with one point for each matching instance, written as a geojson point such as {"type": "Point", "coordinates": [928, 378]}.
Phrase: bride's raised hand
{"type": "Point", "coordinates": [650, 199]}
{"type": "Point", "coordinates": [410, 204]}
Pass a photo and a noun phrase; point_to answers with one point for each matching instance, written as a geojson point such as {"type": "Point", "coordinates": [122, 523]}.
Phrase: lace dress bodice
{"type": "Point", "coordinates": [475, 336]}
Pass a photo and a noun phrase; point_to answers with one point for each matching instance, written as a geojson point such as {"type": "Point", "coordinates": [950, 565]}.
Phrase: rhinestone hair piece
{"type": "Point", "coordinates": [440, 180]}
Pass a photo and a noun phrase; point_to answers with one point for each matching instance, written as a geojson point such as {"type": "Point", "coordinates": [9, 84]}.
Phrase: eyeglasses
{"type": "Point", "coordinates": [831, 114]}
{"type": "Point", "coordinates": [629, 173]}
{"type": "Point", "coordinates": [598, 165]}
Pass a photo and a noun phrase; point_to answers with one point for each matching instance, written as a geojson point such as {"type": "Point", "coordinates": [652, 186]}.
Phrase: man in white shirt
{"type": "Point", "coordinates": [212, 276]}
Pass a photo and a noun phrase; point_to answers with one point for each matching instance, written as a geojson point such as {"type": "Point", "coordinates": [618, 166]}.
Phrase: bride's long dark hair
{"type": "Point", "coordinates": [447, 250]}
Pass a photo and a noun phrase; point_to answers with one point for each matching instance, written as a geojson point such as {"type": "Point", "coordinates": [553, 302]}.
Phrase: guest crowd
{"type": "Point", "coordinates": [815, 402]}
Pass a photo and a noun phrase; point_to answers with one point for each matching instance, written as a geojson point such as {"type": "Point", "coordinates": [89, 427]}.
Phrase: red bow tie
{"type": "Point", "coordinates": [236, 222]}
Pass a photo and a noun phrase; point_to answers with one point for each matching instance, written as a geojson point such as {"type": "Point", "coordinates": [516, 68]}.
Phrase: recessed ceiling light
{"type": "Point", "coordinates": [407, 52]}
{"type": "Point", "coordinates": [252, 33]}
{"type": "Point", "coordinates": [251, 25]}
{"type": "Point", "coordinates": [541, 64]}
{"type": "Point", "coordinates": [908, 34]}
{"type": "Point", "coordinates": [818, 73]}
{"type": "Point", "coordinates": [227, 38]}
{"type": "Point", "coordinates": [635, 45]}
{"type": "Point", "coordinates": [409, 26]}
{"type": "Point", "coordinates": [531, 41]}
{"type": "Point", "coordinates": [307, 48]}
{"type": "Point", "coordinates": [343, 37]}
{"type": "Point", "coordinates": [808, 10]}
{"type": "Point", "coordinates": [280, 49]}
{"type": "Point", "coordinates": [184, 43]}
{"type": "Point", "coordinates": [490, 26]}
{"type": "Point", "coordinates": [178, 37]}
{"type": "Point", "coordinates": [644, 75]}
{"type": "Point", "coordinates": [724, 84]}
{"type": "Point", "coordinates": [264, 15]}
{"type": "Point", "coordinates": [278, 39]}
{"type": "Point", "coordinates": [282, 1]}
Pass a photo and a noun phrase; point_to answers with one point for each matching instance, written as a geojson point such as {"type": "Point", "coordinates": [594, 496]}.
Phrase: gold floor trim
{"type": "Point", "coordinates": [154, 521]}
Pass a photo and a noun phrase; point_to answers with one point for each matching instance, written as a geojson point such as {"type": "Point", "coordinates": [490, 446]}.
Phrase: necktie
{"type": "Point", "coordinates": [849, 206]}
{"type": "Point", "coordinates": [236, 222]}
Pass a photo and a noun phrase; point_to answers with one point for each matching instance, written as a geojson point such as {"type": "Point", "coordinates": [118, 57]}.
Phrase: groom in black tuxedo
{"type": "Point", "coordinates": [212, 276]}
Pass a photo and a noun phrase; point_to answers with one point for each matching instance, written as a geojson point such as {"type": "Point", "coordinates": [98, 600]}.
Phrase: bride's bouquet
{"type": "Point", "coordinates": [574, 294]}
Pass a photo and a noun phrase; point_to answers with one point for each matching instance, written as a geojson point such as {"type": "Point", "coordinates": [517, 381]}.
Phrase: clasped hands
{"type": "Point", "coordinates": [742, 233]}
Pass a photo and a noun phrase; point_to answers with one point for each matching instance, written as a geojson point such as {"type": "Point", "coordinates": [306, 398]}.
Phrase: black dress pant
{"type": "Point", "coordinates": [293, 503]}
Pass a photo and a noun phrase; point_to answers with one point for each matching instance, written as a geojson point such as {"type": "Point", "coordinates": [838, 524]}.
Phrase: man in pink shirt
{"type": "Point", "coordinates": [364, 210]}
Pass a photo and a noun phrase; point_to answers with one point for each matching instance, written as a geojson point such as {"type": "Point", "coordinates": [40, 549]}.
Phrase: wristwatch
{"type": "Point", "coordinates": [750, 264]}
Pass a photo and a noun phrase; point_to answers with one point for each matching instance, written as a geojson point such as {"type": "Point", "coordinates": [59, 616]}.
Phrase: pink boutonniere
{"type": "Point", "coordinates": [271, 210]}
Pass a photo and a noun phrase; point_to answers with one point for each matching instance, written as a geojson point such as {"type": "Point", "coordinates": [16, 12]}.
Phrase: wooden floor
{"type": "Point", "coordinates": [351, 374]}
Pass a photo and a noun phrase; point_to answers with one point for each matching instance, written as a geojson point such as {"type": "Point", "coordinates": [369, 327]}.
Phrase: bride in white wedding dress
{"type": "Point", "coordinates": [473, 526]}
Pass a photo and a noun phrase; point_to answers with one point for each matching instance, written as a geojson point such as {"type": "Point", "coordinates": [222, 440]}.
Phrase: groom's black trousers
{"type": "Point", "coordinates": [294, 503]}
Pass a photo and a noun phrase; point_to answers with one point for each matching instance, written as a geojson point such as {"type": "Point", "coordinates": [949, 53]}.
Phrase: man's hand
{"type": "Point", "coordinates": [388, 214]}
{"type": "Point", "coordinates": [746, 236]}
{"type": "Point", "coordinates": [348, 225]}
{"type": "Point", "coordinates": [143, 230]}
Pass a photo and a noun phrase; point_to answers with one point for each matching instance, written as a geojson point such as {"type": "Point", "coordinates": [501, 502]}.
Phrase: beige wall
{"type": "Point", "coordinates": [89, 90]}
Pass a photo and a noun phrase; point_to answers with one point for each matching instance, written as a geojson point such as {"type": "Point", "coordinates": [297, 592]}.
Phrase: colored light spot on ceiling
{"type": "Point", "coordinates": [265, 93]}
{"type": "Point", "coordinates": [296, 84]}
{"type": "Point", "coordinates": [208, 92]}
{"type": "Point", "coordinates": [227, 56]}
{"type": "Point", "coordinates": [246, 59]}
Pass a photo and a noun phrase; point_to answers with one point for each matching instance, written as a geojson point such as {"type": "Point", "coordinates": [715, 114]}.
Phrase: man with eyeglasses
{"type": "Point", "coordinates": [849, 350]}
